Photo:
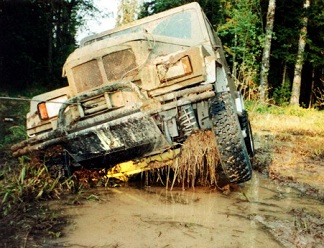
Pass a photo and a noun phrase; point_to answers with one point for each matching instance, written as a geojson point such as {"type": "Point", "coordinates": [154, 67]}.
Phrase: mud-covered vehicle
{"type": "Point", "coordinates": [140, 90]}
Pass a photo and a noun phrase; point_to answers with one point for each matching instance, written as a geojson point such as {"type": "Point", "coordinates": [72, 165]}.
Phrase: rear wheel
{"type": "Point", "coordinates": [230, 144]}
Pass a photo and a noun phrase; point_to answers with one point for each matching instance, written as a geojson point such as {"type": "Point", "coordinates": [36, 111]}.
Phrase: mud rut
{"type": "Point", "coordinates": [259, 214]}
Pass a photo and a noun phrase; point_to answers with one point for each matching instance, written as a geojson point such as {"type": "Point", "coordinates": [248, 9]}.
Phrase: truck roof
{"type": "Point", "coordinates": [109, 33]}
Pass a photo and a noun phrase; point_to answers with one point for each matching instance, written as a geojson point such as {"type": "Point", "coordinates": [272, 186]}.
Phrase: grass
{"type": "Point", "coordinates": [289, 142]}
{"type": "Point", "coordinates": [295, 120]}
{"type": "Point", "coordinates": [24, 188]}
{"type": "Point", "coordinates": [26, 183]}
{"type": "Point", "coordinates": [12, 121]}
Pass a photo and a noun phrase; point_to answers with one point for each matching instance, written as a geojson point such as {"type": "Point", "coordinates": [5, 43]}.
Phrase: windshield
{"type": "Point", "coordinates": [182, 25]}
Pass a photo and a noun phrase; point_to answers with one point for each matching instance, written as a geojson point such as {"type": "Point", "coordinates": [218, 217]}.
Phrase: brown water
{"type": "Point", "coordinates": [255, 215]}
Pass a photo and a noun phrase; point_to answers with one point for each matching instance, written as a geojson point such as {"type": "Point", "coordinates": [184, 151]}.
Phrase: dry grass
{"type": "Point", "coordinates": [291, 120]}
{"type": "Point", "coordinates": [198, 161]}
{"type": "Point", "coordinates": [196, 165]}
{"type": "Point", "coordinates": [290, 146]}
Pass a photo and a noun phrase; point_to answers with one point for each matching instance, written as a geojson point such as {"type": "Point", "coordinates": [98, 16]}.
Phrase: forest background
{"type": "Point", "coordinates": [37, 36]}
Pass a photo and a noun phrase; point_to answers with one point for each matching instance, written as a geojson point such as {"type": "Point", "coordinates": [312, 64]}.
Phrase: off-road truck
{"type": "Point", "coordinates": [140, 90]}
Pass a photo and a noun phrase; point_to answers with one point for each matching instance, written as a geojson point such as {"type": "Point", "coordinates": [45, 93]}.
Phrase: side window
{"type": "Point", "coordinates": [178, 26]}
{"type": "Point", "coordinates": [182, 25]}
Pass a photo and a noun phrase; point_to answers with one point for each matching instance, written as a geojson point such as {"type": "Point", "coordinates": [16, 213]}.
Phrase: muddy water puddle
{"type": "Point", "coordinates": [259, 214]}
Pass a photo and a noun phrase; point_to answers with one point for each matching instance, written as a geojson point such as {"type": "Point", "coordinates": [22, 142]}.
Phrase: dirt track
{"type": "Point", "coordinates": [292, 159]}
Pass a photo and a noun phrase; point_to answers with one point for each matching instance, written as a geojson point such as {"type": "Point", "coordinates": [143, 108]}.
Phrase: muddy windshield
{"type": "Point", "coordinates": [182, 25]}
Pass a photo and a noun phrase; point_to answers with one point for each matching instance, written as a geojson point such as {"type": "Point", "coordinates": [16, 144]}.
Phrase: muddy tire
{"type": "Point", "coordinates": [230, 143]}
{"type": "Point", "coordinates": [246, 127]}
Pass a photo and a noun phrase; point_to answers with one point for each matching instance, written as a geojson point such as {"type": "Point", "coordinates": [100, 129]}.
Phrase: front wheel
{"type": "Point", "coordinates": [230, 143]}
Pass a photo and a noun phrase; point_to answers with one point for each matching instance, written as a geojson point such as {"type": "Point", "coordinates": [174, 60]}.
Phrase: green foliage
{"type": "Point", "coordinates": [282, 94]}
{"type": "Point", "coordinates": [13, 130]}
{"type": "Point", "coordinates": [17, 133]}
{"type": "Point", "coordinates": [27, 182]}
{"type": "Point", "coordinates": [287, 27]}
{"type": "Point", "coordinates": [263, 108]}
{"type": "Point", "coordinates": [242, 36]}
{"type": "Point", "coordinates": [316, 33]}
{"type": "Point", "coordinates": [22, 186]}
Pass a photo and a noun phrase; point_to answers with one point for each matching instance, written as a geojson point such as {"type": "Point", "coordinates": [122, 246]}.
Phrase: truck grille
{"type": "Point", "coordinates": [87, 76]}
{"type": "Point", "coordinates": [120, 64]}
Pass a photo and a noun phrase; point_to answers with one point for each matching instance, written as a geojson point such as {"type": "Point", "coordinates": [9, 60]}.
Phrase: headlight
{"type": "Point", "coordinates": [50, 108]}
{"type": "Point", "coordinates": [169, 71]}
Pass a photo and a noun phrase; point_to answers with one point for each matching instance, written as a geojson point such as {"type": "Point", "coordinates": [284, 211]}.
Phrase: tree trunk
{"type": "Point", "coordinates": [295, 92]}
{"type": "Point", "coordinates": [266, 51]}
{"type": "Point", "coordinates": [284, 75]}
{"type": "Point", "coordinates": [312, 89]}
